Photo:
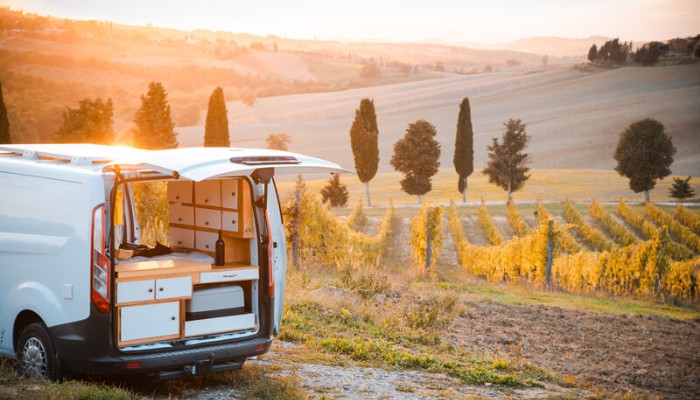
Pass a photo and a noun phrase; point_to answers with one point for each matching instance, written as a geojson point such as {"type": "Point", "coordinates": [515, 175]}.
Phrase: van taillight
{"type": "Point", "coordinates": [270, 257]}
{"type": "Point", "coordinates": [99, 263]}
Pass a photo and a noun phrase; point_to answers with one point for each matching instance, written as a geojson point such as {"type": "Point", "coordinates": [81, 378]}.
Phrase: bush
{"type": "Point", "coordinates": [434, 311]}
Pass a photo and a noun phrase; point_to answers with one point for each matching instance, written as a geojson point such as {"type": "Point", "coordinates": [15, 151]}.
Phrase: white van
{"type": "Point", "coordinates": [79, 292]}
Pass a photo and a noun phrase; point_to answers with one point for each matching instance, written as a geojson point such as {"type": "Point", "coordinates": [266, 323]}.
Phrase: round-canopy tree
{"type": "Point", "coordinates": [644, 154]}
{"type": "Point", "coordinates": [464, 147]}
{"type": "Point", "coordinates": [417, 155]}
{"type": "Point", "coordinates": [364, 140]}
{"type": "Point", "coordinates": [4, 121]}
{"type": "Point", "coordinates": [216, 132]}
{"type": "Point", "coordinates": [91, 122]}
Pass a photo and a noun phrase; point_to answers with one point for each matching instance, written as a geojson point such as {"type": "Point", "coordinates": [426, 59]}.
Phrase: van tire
{"type": "Point", "coordinates": [36, 355]}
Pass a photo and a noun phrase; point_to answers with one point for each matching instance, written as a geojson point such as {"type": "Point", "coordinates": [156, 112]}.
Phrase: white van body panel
{"type": "Point", "coordinates": [45, 243]}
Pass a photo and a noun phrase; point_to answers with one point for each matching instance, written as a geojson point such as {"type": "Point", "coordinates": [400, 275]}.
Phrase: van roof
{"type": "Point", "coordinates": [193, 163]}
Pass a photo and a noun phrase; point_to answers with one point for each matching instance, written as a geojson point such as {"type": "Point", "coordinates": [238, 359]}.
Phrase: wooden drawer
{"type": "Point", "coordinates": [181, 237]}
{"type": "Point", "coordinates": [179, 214]}
{"type": "Point", "coordinates": [207, 218]}
{"type": "Point", "coordinates": [128, 292]}
{"type": "Point", "coordinates": [160, 320]}
{"type": "Point", "coordinates": [206, 240]}
{"type": "Point", "coordinates": [220, 325]}
{"type": "Point", "coordinates": [229, 275]}
{"type": "Point", "coordinates": [180, 191]}
{"type": "Point", "coordinates": [170, 288]}
{"type": "Point", "coordinates": [229, 221]}
{"type": "Point", "coordinates": [229, 193]}
{"type": "Point", "coordinates": [208, 193]}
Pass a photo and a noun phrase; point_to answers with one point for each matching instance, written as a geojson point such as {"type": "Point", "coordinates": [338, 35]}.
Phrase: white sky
{"type": "Point", "coordinates": [482, 21]}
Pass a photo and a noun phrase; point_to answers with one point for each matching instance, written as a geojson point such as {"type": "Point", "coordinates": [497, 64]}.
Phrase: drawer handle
{"type": "Point", "coordinates": [177, 197]}
{"type": "Point", "coordinates": [160, 289]}
{"type": "Point", "coordinates": [206, 223]}
{"type": "Point", "coordinates": [207, 246]}
{"type": "Point", "coordinates": [179, 242]}
{"type": "Point", "coordinates": [179, 219]}
{"type": "Point", "coordinates": [172, 318]}
{"type": "Point", "coordinates": [150, 290]}
{"type": "Point", "coordinates": [229, 276]}
{"type": "Point", "coordinates": [206, 200]}
{"type": "Point", "coordinates": [233, 194]}
{"type": "Point", "coordinates": [233, 221]}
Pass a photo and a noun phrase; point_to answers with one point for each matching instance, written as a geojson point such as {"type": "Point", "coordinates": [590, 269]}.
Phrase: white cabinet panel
{"type": "Point", "coordinates": [208, 193]}
{"type": "Point", "coordinates": [148, 321]}
{"type": "Point", "coordinates": [169, 288]}
{"type": "Point", "coordinates": [229, 275]}
{"type": "Point", "coordinates": [229, 193]}
{"type": "Point", "coordinates": [229, 221]}
{"type": "Point", "coordinates": [180, 191]}
{"type": "Point", "coordinates": [207, 218]}
{"type": "Point", "coordinates": [179, 214]}
{"type": "Point", "coordinates": [219, 325]}
{"type": "Point", "coordinates": [206, 240]}
{"type": "Point", "coordinates": [181, 237]}
{"type": "Point", "coordinates": [128, 292]}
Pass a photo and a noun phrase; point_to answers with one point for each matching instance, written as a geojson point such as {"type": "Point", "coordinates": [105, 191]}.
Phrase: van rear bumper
{"type": "Point", "coordinates": [171, 363]}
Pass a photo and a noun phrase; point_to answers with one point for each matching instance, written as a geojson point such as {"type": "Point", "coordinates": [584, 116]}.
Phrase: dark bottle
{"type": "Point", "coordinates": [220, 250]}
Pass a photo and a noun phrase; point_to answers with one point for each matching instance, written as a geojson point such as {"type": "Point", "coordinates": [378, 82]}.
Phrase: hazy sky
{"type": "Point", "coordinates": [485, 21]}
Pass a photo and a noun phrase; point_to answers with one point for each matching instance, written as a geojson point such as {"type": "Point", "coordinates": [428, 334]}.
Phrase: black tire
{"type": "Point", "coordinates": [36, 355]}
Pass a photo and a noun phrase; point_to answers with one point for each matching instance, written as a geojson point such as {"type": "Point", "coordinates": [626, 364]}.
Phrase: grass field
{"type": "Point", "coordinates": [548, 185]}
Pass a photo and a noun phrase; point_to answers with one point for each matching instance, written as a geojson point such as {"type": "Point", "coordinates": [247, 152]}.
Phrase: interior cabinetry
{"type": "Point", "coordinates": [152, 297]}
{"type": "Point", "coordinates": [199, 210]}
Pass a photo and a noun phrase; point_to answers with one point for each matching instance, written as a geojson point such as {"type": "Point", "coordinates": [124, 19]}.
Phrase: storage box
{"type": "Point", "coordinates": [214, 302]}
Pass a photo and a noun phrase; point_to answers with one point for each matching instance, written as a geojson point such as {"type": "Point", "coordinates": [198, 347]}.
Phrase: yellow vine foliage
{"type": "Point", "coordinates": [492, 233]}
{"type": "Point", "coordinates": [682, 280]}
{"type": "Point", "coordinates": [519, 226]}
{"type": "Point", "coordinates": [684, 235]}
{"type": "Point", "coordinates": [519, 259]}
{"type": "Point", "coordinates": [356, 220]}
{"type": "Point", "coordinates": [677, 250]}
{"type": "Point", "coordinates": [427, 222]}
{"type": "Point", "coordinates": [619, 232]}
{"type": "Point", "coordinates": [595, 238]}
{"type": "Point", "coordinates": [567, 242]}
{"type": "Point", "coordinates": [689, 219]}
{"type": "Point", "coordinates": [331, 242]}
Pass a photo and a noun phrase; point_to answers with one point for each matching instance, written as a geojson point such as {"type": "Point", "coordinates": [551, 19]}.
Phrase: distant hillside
{"type": "Point", "coordinates": [553, 46]}
{"type": "Point", "coordinates": [48, 64]}
{"type": "Point", "coordinates": [574, 117]}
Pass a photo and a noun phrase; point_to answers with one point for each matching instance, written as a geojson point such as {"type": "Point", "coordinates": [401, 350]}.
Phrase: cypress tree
{"type": "Point", "coordinates": [364, 140]}
{"type": "Point", "coordinates": [154, 125]}
{"type": "Point", "coordinates": [417, 155]}
{"type": "Point", "coordinates": [592, 53]}
{"type": "Point", "coordinates": [216, 132]}
{"type": "Point", "coordinates": [4, 121]}
{"type": "Point", "coordinates": [464, 147]}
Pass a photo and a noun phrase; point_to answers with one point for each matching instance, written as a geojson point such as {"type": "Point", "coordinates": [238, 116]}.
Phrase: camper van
{"type": "Point", "coordinates": [115, 260]}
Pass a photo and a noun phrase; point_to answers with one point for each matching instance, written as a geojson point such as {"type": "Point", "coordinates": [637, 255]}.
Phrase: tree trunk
{"type": "Point", "coordinates": [510, 196]}
{"type": "Point", "coordinates": [420, 199]}
{"type": "Point", "coordinates": [369, 202]}
{"type": "Point", "coordinates": [464, 193]}
{"type": "Point", "coordinates": [646, 196]}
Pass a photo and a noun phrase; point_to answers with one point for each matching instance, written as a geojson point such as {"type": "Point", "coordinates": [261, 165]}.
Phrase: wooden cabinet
{"type": "Point", "coordinates": [198, 211]}
{"type": "Point", "coordinates": [151, 298]}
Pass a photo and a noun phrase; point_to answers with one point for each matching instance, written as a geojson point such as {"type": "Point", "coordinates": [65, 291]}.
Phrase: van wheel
{"type": "Point", "coordinates": [36, 355]}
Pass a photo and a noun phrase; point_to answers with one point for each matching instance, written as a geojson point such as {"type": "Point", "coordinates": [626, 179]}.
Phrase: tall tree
{"type": "Point", "coordinates": [154, 125]}
{"type": "Point", "coordinates": [644, 154]}
{"type": "Point", "coordinates": [506, 166]}
{"type": "Point", "coordinates": [91, 122]}
{"type": "Point", "coordinates": [216, 128]}
{"type": "Point", "coordinates": [417, 156]}
{"type": "Point", "coordinates": [464, 147]}
{"type": "Point", "coordinates": [592, 53]}
{"type": "Point", "coordinates": [364, 140]}
{"type": "Point", "coordinates": [335, 192]}
{"type": "Point", "coordinates": [4, 121]}
{"type": "Point", "coordinates": [278, 141]}
{"type": "Point", "coordinates": [681, 190]}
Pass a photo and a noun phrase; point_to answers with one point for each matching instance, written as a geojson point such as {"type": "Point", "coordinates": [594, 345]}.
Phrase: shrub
{"type": "Point", "coordinates": [495, 236]}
